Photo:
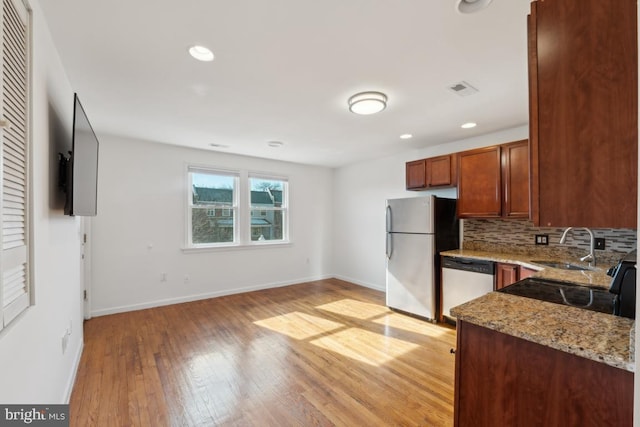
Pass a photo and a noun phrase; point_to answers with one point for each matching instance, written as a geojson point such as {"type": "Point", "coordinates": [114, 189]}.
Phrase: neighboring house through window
{"type": "Point", "coordinates": [220, 216]}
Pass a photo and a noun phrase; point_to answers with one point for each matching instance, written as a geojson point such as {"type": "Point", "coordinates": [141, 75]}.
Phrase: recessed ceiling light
{"type": "Point", "coordinates": [275, 144]}
{"type": "Point", "coordinates": [201, 53]}
{"type": "Point", "coordinates": [406, 136]}
{"type": "Point", "coordinates": [367, 102]}
{"type": "Point", "coordinates": [469, 125]}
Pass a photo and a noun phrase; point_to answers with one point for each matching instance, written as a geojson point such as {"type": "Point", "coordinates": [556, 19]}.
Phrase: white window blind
{"type": "Point", "coordinates": [14, 263]}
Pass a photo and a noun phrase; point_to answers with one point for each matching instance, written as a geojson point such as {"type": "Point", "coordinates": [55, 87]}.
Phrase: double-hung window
{"type": "Point", "coordinates": [213, 207]}
{"type": "Point", "coordinates": [268, 204]}
{"type": "Point", "coordinates": [236, 208]}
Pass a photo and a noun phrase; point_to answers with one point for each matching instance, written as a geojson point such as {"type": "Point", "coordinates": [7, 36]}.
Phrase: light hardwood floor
{"type": "Point", "coordinates": [321, 353]}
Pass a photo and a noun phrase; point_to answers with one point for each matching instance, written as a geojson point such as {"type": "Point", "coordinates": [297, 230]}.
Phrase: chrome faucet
{"type": "Point", "coordinates": [591, 256]}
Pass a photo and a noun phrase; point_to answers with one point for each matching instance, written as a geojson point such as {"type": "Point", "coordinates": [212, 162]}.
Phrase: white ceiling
{"type": "Point", "coordinates": [284, 70]}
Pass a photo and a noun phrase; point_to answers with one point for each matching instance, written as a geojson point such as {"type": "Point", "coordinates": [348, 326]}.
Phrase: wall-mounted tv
{"type": "Point", "coordinates": [79, 171]}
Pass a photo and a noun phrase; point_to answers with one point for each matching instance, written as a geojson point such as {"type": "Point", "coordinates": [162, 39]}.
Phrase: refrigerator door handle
{"type": "Point", "coordinates": [389, 246]}
{"type": "Point", "coordinates": [388, 218]}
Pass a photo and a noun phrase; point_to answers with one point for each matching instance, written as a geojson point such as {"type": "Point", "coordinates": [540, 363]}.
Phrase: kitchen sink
{"type": "Point", "coordinates": [561, 265]}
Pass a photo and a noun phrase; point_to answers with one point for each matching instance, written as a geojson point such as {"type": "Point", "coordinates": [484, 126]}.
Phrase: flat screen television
{"type": "Point", "coordinates": [79, 171]}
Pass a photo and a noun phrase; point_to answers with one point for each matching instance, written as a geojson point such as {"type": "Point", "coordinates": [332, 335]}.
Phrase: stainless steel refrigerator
{"type": "Point", "coordinates": [418, 229]}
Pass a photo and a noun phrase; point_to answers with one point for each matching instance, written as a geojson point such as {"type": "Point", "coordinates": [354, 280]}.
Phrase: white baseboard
{"type": "Point", "coordinates": [361, 283]}
{"type": "Point", "coordinates": [72, 378]}
{"type": "Point", "coordinates": [196, 297]}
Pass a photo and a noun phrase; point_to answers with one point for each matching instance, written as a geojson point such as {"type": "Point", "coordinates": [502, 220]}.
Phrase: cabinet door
{"type": "Point", "coordinates": [506, 274]}
{"type": "Point", "coordinates": [479, 183]}
{"type": "Point", "coordinates": [525, 272]}
{"type": "Point", "coordinates": [502, 380]}
{"type": "Point", "coordinates": [441, 171]}
{"type": "Point", "coordinates": [416, 175]}
{"type": "Point", "coordinates": [584, 121]}
{"type": "Point", "coordinates": [515, 176]}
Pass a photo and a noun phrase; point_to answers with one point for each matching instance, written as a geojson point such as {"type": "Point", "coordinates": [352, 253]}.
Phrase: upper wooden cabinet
{"type": "Point", "coordinates": [432, 172]}
{"type": "Point", "coordinates": [416, 175]}
{"type": "Point", "coordinates": [479, 183]}
{"type": "Point", "coordinates": [442, 171]}
{"type": "Point", "coordinates": [493, 182]}
{"type": "Point", "coordinates": [583, 96]}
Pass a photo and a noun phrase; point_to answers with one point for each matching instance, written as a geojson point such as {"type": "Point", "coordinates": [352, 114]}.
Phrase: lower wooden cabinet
{"type": "Point", "coordinates": [507, 274]}
{"type": "Point", "coordinates": [507, 381]}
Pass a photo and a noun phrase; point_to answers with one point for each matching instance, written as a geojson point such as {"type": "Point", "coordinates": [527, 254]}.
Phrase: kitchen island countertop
{"type": "Point", "coordinates": [597, 336]}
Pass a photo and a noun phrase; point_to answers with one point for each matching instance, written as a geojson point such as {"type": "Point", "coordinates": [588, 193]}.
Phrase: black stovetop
{"type": "Point", "coordinates": [594, 299]}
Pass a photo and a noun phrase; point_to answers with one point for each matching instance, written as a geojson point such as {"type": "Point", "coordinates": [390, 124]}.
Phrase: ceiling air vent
{"type": "Point", "coordinates": [462, 89]}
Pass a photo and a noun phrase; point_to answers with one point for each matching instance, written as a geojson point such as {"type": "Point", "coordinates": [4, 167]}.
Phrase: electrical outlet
{"type": "Point", "coordinates": [542, 239]}
{"type": "Point", "coordinates": [599, 243]}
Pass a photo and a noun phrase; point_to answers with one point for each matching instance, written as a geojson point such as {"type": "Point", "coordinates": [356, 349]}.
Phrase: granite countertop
{"type": "Point", "coordinates": [597, 336]}
{"type": "Point", "coordinates": [595, 276]}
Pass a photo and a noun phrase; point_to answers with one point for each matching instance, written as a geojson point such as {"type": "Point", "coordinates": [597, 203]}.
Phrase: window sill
{"type": "Point", "coordinates": [237, 247]}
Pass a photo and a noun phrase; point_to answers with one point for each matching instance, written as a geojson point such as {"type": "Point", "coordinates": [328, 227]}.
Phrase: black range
{"type": "Point", "coordinates": [588, 298]}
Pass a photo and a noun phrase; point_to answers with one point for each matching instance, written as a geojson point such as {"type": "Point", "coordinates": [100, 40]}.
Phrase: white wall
{"type": "Point", "coordinates": [34, 369]}
{"type": "Point", "coordinates": [360, 191]}
{"type": "Point", "coordinates": [139, 232]}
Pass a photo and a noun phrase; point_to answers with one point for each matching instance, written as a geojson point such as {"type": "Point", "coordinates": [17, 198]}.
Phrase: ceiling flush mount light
{"type": "Point", "coordinates": [201, 53]}
{"type": "Point", "coordinates": [406, 136]}
{"type": "Point", "coordinates": [471, 6]}
{"type": "Point", "coordinates": [367, 102]}
{"type": "Point", "coordinates": [469, 125]}
{"type": "Point", "coordinates": [275, 144]}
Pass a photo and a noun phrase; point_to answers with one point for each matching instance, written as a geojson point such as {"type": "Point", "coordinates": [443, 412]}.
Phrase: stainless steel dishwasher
{"type": "Point", "coordinates": [464, 279]}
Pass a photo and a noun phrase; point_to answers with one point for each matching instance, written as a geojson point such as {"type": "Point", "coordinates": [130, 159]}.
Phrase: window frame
{"type": "Point", "coordinates": [241, 209]}
{"type": "Point", "coordinates": [284, 208]}
{"type": "Point", "coordinates": [234, 209]}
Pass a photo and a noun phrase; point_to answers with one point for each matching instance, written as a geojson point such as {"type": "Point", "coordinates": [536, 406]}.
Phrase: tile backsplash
{"type": "Point", "coordinates": [518, 236]}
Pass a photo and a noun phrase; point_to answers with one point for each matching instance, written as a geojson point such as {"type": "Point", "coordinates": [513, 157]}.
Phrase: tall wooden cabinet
{"type": "Point", "coordinates": [493, 182]}
{"type": "Point", "coordinates": [515, 179]}
{"type": "Point", "coordinates": [583, 78]}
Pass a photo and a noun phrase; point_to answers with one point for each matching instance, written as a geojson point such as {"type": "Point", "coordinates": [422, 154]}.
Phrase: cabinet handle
{"type": "Point", "coordinates": [452, 351]}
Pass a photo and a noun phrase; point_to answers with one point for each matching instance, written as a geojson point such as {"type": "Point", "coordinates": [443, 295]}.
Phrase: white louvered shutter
{"type": "Point", "coordinates": [15, 138]}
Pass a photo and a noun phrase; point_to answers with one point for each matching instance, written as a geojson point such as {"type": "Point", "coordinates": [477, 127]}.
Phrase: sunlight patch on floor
{"type": "Point", "coordinates": [299, 325]}
{"type": "Point", "coordinates": [365, 346]}
{"type": "Point", "coordinates": [410, 324]}
{"type": "Point", "coordinates": [353, 308]}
